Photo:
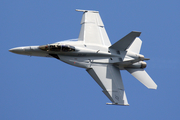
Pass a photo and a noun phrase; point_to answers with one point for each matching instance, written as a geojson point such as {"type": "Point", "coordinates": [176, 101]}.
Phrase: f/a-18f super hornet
{"type": "Point", "coordinates": [94, 52]}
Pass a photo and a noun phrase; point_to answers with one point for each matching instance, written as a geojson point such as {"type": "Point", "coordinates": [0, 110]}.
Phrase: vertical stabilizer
{"type": "Point", "coordinates": [136, 46]}
{"type": "Point", "coordinates": [126, 41]}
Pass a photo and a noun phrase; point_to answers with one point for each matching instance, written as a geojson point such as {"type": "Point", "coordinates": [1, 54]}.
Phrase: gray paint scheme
{"type": "Point", "coordinates": [94, 52]}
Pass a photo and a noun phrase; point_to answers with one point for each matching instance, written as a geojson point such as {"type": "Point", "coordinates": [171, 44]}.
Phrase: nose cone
{"type": "Point", "coordinates": [17, 50]}
{"type": "Point", "coordinates": [28, 50]}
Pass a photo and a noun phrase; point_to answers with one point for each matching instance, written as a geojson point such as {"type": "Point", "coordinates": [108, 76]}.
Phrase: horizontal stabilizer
{"type": "Point", "coordinates": [143, 77]}
{"type": "Point", "coordinates": [126, 41]}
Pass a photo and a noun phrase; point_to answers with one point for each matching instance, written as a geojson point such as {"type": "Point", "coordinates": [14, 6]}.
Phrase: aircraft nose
{"type": "Point", "coordinates": [26, 50]}
{"type": "Point", "coordinates": [17, 50]}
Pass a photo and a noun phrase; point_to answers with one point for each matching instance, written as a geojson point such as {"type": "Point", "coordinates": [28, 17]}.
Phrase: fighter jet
{"type": "Point", "coordinates": [93, 52]}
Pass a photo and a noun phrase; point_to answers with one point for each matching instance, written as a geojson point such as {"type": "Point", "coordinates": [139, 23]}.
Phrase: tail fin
{"type": "Point", "coordinates": [143, 77]}
{"type": "Point", "coordinates": [125, 42]}
{"type": "Point", "coordinates": [136, 46]}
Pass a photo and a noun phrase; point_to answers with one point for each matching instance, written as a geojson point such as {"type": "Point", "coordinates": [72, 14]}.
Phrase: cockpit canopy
{"type": "Point", "coordinates": [57, 48]}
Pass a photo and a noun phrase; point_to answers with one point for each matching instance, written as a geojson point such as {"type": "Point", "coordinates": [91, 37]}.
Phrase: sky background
{"type": "Point", "coordinates": [35, 88]}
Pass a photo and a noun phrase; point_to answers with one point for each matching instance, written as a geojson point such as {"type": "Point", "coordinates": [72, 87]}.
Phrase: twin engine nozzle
{"type": "Point", "coordinates": [140, 64]}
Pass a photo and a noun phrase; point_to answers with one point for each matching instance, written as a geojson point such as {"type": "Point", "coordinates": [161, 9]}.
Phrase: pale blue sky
{"type": "Point", "coordinates": [35, 88]}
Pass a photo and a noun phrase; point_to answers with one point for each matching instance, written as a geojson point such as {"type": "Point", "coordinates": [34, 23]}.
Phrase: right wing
{"type": "Point", "coordinates": [92, 29]}
{"type": "Point", "coordinates": [109, 79]}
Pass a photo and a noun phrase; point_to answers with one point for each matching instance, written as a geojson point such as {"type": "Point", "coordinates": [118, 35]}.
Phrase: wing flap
{"type": "Point", "coordinates": [109, 79]}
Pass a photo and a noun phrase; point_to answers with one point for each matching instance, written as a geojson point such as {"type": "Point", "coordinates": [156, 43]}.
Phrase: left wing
{"type": "Point", "coordinates": [109, 79]}
{"type": "Point", "coordinates": [92, 29]}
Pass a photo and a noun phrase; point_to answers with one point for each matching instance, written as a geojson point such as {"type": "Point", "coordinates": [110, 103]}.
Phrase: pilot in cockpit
{"type": "Point", "coordinates": [57, 48]}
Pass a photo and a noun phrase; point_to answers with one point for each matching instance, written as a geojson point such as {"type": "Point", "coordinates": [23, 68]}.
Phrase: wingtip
{"type": "Point", "coordinates": [117, 104]}
{"type": "Point", "coordinates": [154, 87]}
{"type": "Point", "coordinates": [79, 10]}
